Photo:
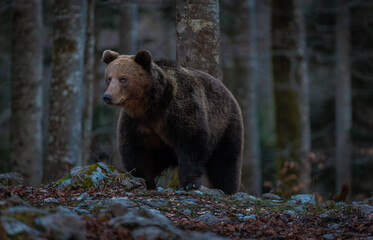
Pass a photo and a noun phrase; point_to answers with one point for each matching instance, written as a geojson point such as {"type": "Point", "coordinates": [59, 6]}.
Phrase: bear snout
{"type": "Point", "coordinates": [108, 99]}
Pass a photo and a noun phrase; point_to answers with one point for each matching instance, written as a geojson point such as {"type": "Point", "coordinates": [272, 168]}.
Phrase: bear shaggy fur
{"type": "Point", "coordinates": [173, 116]}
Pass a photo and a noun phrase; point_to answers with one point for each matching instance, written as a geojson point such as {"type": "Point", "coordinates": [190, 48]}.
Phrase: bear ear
{"type": "Point", "coordinates": [108, 56]}
{"type": "Point", "coordinates": [144, 58]}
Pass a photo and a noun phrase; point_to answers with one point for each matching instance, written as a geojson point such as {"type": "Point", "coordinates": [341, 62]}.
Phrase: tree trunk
{"type": "Point", "coordinates": [89, 82]}
{"type": "Point", "coordinates": [266, 106]}
{"type": "Point", "coordinates": [198, 35]}
{"type": "Point", "coordinates": [65, 113]}
{"type": "Point", "coordinates": [291, 95]}
{"type": "Point", "coordinates": [128, 29]}
{"type": "Point", "coordinates": [242, 37]}
{"type": "Point", "coordinates": [26, 97]}
{"type": "Point", "coordinates": [343, 96]}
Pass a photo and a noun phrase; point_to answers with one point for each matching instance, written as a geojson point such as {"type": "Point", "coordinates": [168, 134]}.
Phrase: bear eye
{"type": "Point", "coordinates": [109, 79]}
{"type": "Point", "coordinates": [122, 80]}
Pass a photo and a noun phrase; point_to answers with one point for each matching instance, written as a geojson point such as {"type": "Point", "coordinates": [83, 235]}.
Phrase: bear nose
{"type": "Point", "coordinates": [108, 99]}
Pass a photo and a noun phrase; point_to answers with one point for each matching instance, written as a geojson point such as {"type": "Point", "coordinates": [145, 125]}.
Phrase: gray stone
{"type": "Point", "coordinates": [149, 219]}
{"type": "Point", "coordinates": [191, 201]}
{"type": "Point", "coordinates": [78, 170]}
{"type": "Point", "coordinates": [82, 196]}
{"type": "Point", "coordinates": [209, 191]}
{"type": "Point", "coordinates": [202, 236]}
{"type": "Point", "coordinates": [51, 200]}
{"type": "Point", "coordinates": [119, 206]}
{"type": "Point", "coordinates": [328, 236]}
{"type": "Point", "coordinates": [290, 212]}
{"type": "Point", "coordinates": [11, 179]}
{"type": "Point", "coordinates": [210, 219]}
{"type": "Point", "coordinates": [14, 200]}
{"type": "Point", "coordinates": [299, 209]}
{"type": "Point", "coordinates": [65, 184]}
{"type": "Point", "coordinates": [63, 225]}
{"type": "Point", "coordinates": [241, 196]}
{"type": "Point", "coordinates": [251, 216]}
{"type": "Point", "coordinates": [152, 233]}
{"type": "Point", "coordinates": [81, 211]}
{"type": "Point", "coordinates": [187, 211]}
{"type": "Point", "coordinates": [270, 196]}
{"type": "Point", "coordinates": [13, 227]}
{"type": "Point", "coordinates": [98, 177]}
{"type": "Point", "coordinates": [304, 198]}
{"type": "Point", "coordinates": [326, 214]}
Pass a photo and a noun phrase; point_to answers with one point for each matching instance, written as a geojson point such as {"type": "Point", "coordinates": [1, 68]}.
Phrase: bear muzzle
{"type": "Point", "coordinates": [108, 99]}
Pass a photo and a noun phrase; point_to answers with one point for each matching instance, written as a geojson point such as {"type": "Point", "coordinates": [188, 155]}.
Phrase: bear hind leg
{"type": "Point", "coordinates": [224, 165]}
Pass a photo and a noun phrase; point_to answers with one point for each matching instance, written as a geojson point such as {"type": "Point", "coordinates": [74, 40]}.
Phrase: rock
{"type": "Point", "coordinates": [304, 198]}
{"type": "Point", "coordinates": [270, 196]}
{"type": "Point", "coordinates": [363, 208]}
{"type": "Point", "coordinates": [187, 211]}
{"type": "Point", "coordinates": [328, 236]}
{"type": "Point", "coordinates": [119, 206]}
{"type": "Point", "coordinates": [197, 192]}
{"type": "Point", "coordinates": [65, 184]}
{"type": "Point", "coordinates": [11, 179]}
{"type": "Point", "coordinates": [202, 236]}
{"type": "Point", "coordinates": [191, 201]}
{"type": "Point", "coordinates": [241, 196]}
{"type": "Point", "coordinates": [14, 200]}
{"type": "Point", "coordinates": [290, 212]}
{"type": "Point", "coordinates": [249, 217]}
{"type": "Point", "coordinates": [63, 225]}
{"type": "Point", "coordinates": [149, 222]}
{"type": "Point", "coordinates": [82, 196]}
{"type": "Point", "coordinates": [51, 200]}
{"type": "Point", "coordinates": [16, 229]}
{"type": "Point", "coordinates": [210, 219]}
{"type": "Point", "coordinates": [209, 191]}
{"type": "Point", "coordinates": [151, 233]}
{"type": "Point", "coordinates": [156, 203]}
{"type": "Point", "coordinates": [326, 214]}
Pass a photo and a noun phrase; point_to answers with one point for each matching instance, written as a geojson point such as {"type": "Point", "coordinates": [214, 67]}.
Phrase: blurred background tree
{"type": "Point", "coordinates": [327, 50]}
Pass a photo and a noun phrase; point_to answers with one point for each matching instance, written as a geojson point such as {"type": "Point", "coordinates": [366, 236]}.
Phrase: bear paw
{"type": "Point", "coordinates": [191, 186]}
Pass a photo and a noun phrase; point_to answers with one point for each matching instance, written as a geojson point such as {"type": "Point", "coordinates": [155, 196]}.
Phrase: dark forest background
{"type": "Point", "coordinates": [308, 117]}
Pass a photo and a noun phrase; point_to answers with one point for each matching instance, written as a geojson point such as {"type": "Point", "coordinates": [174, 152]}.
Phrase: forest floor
{"type": "Point", "coordinates": [115, 213]}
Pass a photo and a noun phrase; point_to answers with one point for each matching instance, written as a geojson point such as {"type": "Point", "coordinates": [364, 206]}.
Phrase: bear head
{"type": "Point", "coordinates": [128, 79]}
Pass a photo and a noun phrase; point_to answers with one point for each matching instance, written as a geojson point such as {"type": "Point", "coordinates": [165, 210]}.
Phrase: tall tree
{"type": "Point", "coordinates": [291, 95]}
{"type": "Point", "coordinates": [266, 107]}
{"type": "Point", "coordinates": [343, 94]}
{"type": "Point", "coordinates": [128, 30]}
{"type": "Point", "coordinates": [26, 102]}
{"type": "Point", "coordinates": [65, 113]}
{"type": "Point", "coordinates": [197, 26]}
{"type": "Point", "coordinates": [89, 82]}
{"type": "Point", "coordinates": [242, 36]}
{"type": "Point", "coordinates": [198, 35]}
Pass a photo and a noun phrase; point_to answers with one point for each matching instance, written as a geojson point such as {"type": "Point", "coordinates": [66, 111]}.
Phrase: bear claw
{"type": "Point", "coordinates": [191, 186]}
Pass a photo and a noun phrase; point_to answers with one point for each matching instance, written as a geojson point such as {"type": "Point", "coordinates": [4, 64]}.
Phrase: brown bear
{"type": "Point", "coordinates": [173, 116]}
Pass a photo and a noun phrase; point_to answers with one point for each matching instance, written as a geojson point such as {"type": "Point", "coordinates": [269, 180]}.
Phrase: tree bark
{"type": "Point", "coordinates": [128, 29]}
{"type": "Point", "coordinates": [291, 95]}
{"type": "Point", "coordinates": [343, 96]}
{"type": "Point", "coordinates": [26, 95]}
{"type": "Point", "coordinates": [89, 82]}
{"type": "Point", "coordinates": [65, 113]}
{"type": "Point", "coordinates": [242, 33]}
{"type": "Point", "coordinates": [198, 35]}
{"type": "Point", "coordinates": [266, 106]}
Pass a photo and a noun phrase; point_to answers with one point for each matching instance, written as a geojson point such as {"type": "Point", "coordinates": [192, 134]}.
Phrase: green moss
{"type": "Point", "coordinates": [174, 181]}
{"type": "Point", "coordinates": [67, 176]}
